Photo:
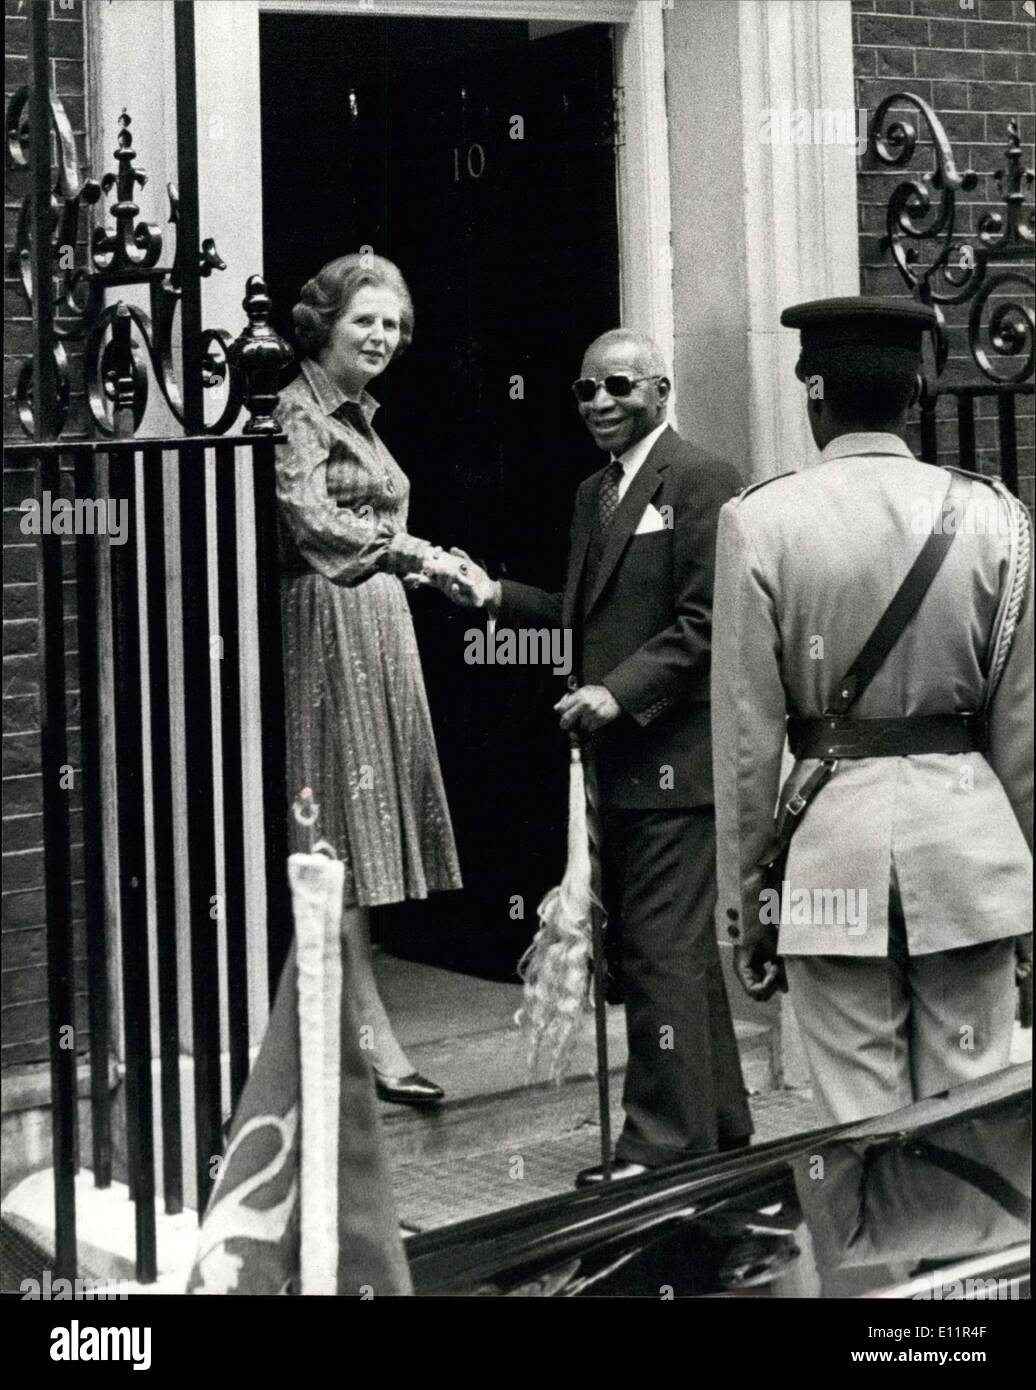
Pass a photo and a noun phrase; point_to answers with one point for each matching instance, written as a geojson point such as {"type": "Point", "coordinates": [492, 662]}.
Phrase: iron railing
{"type": "Point", "coordinates": [952, 268]}
{"type": "Point", "coordinates": [115, 336]}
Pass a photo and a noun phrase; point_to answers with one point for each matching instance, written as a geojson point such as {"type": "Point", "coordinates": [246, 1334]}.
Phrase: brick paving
{"type": "Point", "coordinates": [438, 1192]}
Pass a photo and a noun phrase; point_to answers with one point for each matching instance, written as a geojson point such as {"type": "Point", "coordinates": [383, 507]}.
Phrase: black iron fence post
{"type": "Point", "coordinates": [258, 357]}
{"type": "Point", "coordinates": [162, 820]}
{"type": "Point", "coordinates": [53, 734]}
{"type": "Point", "coordinates": [1005, 404]}
{"type": "Point", "coordinates": [87, 611]}
{"type": "Point", "coordinates": [197, 653]}
{"type": "Point", "coordinates": [228, 652]}
{"type": "Point", "coordinates": [129, 763]}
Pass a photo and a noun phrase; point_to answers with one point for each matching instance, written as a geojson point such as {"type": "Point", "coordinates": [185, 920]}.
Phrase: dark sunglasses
{"type": "Point", "coordinates": [617, 385]}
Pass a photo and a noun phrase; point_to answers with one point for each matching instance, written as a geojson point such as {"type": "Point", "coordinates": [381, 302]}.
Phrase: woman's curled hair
{"type": "Point", "coordinates": [331, 291]}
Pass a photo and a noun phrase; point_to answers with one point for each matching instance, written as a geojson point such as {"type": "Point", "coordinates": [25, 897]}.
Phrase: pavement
{"type": "Point", "coordinates": [501, 1142]}
{"type": "Point", "coordinates": [439, 1192]}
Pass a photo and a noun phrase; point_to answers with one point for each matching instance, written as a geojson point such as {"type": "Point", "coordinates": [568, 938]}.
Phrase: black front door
{"type": "Point", "coordinates": [478, 156]}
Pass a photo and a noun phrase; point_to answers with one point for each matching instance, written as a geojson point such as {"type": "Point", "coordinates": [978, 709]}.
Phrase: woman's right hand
{"type": "Point", "coordinates": [441, 571]}
{"type": "Point", "coordinates": [468, 585]}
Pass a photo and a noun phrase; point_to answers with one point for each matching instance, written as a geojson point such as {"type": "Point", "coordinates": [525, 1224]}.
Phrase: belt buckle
{"type": "Point", "coordinates": [835, 726]}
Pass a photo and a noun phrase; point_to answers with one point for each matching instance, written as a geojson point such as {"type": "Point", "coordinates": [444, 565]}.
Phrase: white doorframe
{"type": "Point", "coordinates": [642, 171]}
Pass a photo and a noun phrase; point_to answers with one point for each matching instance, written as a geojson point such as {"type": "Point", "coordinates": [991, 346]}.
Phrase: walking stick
{"type": "Point", "coordinates": [597, 922]}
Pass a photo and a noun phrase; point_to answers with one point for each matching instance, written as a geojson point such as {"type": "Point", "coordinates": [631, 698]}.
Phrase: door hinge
{"type": "Point", "coordinates": [618, 121]}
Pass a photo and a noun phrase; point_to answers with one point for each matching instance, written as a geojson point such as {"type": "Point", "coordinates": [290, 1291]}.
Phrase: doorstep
{"type": "Point", "coordinates": [460, 1032]}
{"type": "Point", "coordinates": [434, 1193]}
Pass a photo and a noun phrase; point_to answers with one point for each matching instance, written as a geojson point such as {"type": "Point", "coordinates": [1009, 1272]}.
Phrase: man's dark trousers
{"type": "Point", "coordinates": [683, 1093]}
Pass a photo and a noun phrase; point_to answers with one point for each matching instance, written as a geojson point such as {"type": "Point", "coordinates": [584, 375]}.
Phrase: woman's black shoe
{"type": "Point", "coordinates": [414, 1089]}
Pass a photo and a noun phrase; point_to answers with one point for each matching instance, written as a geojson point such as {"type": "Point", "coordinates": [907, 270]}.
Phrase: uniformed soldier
{"type": "Point", "coordinates": [909, 875]}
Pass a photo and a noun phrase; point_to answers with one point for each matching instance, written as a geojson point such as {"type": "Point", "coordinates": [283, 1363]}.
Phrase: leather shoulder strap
{"type": "Point", "coordinates": [906, 600]}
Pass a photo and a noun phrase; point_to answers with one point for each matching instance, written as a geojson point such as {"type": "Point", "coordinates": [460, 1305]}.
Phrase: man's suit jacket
{"type": "Point", "coordinates": [644, 629]}
{"type": "Point", "coordinates": [806, 565]}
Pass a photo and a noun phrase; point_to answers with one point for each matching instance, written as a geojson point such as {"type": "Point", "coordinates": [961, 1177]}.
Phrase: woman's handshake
{"type": "Point", "coordinates": [458, 576]}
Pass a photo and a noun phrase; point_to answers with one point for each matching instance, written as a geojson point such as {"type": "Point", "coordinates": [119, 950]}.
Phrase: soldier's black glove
{"type": "Point", "coordinates": [1023, 958]}
{"type": "Point", "coordinates": [760, 971]}
{"type": "Point", "coordinates": [1023, 977]}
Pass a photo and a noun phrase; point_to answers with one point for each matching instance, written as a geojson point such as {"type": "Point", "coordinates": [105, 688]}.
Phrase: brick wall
{"type": "Point", "coordinates": [973, 62]}
{"type": "Point", "coordinates": [24, 1009]}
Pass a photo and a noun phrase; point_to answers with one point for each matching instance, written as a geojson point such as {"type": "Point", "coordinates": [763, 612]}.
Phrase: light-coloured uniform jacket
{"type": "Point", "coordinates": [806, 565]}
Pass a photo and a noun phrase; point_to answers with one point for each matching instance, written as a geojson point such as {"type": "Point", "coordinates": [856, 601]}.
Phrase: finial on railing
{"type": "Point", "coordinates": [132, 245]}
{"type": "Point", "coordinates": [260, 354]}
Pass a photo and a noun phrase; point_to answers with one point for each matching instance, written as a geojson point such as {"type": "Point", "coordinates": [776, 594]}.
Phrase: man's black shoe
{"type": "Point", "coordinates": [737, 1141]}
{"type": "Point", "coordinates": [593, 1177]}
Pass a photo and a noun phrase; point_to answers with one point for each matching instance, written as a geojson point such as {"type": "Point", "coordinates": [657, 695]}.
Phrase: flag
{"type": "Point", "coordinates": [303, 1199]}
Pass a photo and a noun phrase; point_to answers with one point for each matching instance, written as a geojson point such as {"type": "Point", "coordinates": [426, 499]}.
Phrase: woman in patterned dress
{"type": "Point", "coordinates": [359, 731]}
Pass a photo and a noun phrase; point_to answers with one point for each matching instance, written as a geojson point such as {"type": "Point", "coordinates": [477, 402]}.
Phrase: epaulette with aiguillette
{"type": "Point", "coordinates": [970, 473]}
{"type": "Point", "coordinates": [764, 482]}
{"type": "Point", "coordinates": [1016, 508]}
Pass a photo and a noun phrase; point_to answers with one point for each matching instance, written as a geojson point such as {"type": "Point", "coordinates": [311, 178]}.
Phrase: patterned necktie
{"type": "Point", "coordinates": [608, 497]}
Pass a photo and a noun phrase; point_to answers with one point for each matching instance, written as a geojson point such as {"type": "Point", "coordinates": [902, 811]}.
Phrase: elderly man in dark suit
{"type": "Point", "coordinates": [638, 598]}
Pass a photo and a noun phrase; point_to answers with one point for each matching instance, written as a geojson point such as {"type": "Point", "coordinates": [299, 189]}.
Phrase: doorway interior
{"type": "Point", "coordinates": [479, 156]}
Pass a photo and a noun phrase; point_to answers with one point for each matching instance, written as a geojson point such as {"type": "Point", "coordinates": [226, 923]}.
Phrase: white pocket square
{"type": "Point", "coordinates": [650, 521]}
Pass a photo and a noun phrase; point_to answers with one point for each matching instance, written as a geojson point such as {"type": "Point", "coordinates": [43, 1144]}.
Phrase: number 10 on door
{"type": "Point", "coordinates": [473, 160]}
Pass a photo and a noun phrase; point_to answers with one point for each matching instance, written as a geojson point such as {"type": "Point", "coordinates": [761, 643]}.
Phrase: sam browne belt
{"type": "Point", "coordinates": [837, 736]}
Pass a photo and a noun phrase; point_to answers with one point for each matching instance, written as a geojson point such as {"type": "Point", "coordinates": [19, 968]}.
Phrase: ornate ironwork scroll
{"type": "Point", "coordinates": [68, 193]}
{"type": "Point", "coordinates": [121, 341]}
{"type": "Point", "coordinates": [961, 267]}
